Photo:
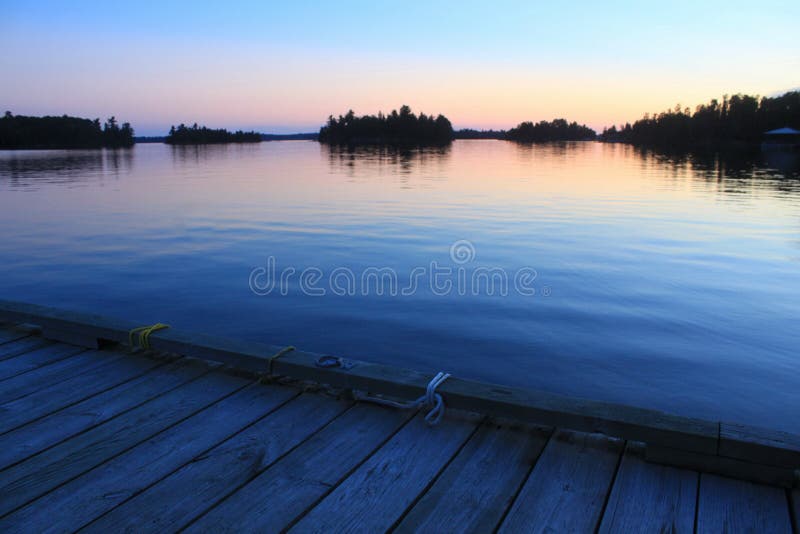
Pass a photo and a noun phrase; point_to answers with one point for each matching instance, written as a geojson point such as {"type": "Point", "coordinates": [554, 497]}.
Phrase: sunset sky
{"type": "Point", "coordinates": [285, 66]}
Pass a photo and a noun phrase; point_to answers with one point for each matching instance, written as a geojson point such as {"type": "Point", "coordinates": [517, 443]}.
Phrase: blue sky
{"type": "Point", "coordinates": [286, 66]}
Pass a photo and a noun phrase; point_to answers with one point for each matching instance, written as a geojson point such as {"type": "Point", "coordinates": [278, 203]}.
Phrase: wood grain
{"type": "Point", "coordinates": [275, 498]}
{"type": "Point", "coordinates": [43, 377]}
{"type": "Point", "coordinates": [377, 494]}
{"type": "Point", "coordinates": [197, 486]}
{"type": "Point", "coordinates": [36, 476]}
{"type": "Point", "coordinates": [760, 445]}
{"type": "Point", "coordinates": [36, 358]}
{"type": "Point", "coordinates": [39, 435]}
{"type": "Point", "coordinates": [567, 489]}
{"type": "Point", "coordinates": [59, 395]}
{"type": "Point", "coordinates": [732, 505]}
{"type": "Point", "coordinates": [21, 346]}
{"type": "Point", "coordinates": [477, 488]}
{"type": "Point", "coordinates": [99, 490]}
{"type": "Point", "coordinates": [650, 498]}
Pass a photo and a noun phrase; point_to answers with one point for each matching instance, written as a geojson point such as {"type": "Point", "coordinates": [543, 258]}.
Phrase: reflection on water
{"type": "Point", "coordinates": [749, 163]}
{"type": "Point", "coordinates": [367, 161]}
{"type": "Point", "coordinates": [672, 279]}
{"type": "Point", "coordinates": [26, 168]}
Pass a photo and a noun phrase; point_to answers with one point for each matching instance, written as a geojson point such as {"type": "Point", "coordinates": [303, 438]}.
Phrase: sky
{"type": "Point", "coordinates": [285, 66]}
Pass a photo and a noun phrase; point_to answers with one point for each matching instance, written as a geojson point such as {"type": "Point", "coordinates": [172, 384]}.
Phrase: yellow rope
{"type": "Point", "coordinates": [144, 334]}
{"type": "Point", "coordinates": [278, 355]}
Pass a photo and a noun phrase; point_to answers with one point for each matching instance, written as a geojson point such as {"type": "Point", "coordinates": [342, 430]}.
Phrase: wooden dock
{"type": "Point", "coordinates": [106, 440]}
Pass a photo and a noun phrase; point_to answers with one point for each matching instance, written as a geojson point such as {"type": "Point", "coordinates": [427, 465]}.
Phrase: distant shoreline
{"type": "Point", "coordinates": [312, 136]}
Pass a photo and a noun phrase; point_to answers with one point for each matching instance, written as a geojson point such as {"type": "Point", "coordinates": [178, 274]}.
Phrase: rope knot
{"type": "Point", "coordinates": [144, 335]}
{"type": "Point", "coordinates": [271, 360]}
{"type": "Point", "coordinates": [431, 400]}
{"type": "Point", "coordinates": [434, 400]}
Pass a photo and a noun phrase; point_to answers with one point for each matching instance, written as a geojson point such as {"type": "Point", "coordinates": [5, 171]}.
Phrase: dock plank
{"type": "Point", "coordinates": [97, 491]}
{"type": "Point", "coordinates": [730, 505]}
{"type": "Point", "coordinates": [38, 379]}
{"type": "Point", "coordinates": [36, 476]}
{"type": "Point", "coordinates": [377, 494]}
{"type": "Point", "coordinates": [20, 411]}
{"type": "Point", "coordinates": [476, 489]}
{"type": "Point", "coordinates": [36, 358]}
{"type": "Point", "coordinates": [167, 506]}
{"type": "Point", "coordinates": [650, 498]}
{"type": "Point", "coordinates": [9, 334]}
{"type": "Point", "coordinates": [795, 498]}
{"type": "Point", "coordinates": [567, 489]}
{"type": "Point", "coordinates": [39, 435]}
{"type": "Point", "coordinates": [21, 346]}
{"type": "Point", "coordinates": [274, 499]}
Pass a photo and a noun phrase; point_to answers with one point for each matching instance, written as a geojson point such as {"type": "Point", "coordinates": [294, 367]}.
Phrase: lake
{"type": "Point", "coordinates": [588, 269]}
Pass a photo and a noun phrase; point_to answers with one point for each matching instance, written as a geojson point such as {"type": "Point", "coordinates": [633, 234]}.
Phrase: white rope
{"type": "Point", "coordinates": [430, 399]}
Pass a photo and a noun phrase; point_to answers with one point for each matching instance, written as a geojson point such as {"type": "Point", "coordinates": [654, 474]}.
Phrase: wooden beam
{"type": "Point", "coordinates": [721, 465]}
{"type": "Point", "coordinates": [759, 444]}
{"type": "Point", "coordinates": [662, 430]}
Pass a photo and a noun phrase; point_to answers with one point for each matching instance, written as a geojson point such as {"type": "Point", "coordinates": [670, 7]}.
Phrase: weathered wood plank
{"type": "Point", "coordinates": [377, 494]}
{"type": "Point", "coordinates": [567, 488]}
{"type": "Point", "coordinates": [79, 338]}
{"type": "Point", "coordinates": [759, 445]}
{"type": "Point", "coordinates": [43, 377]}
{"type": "Point", "coordinates": [36, 358]}
{"type": "Point", "coordinates": [167, 506]}
{"type": "Point", "coordinates": [39, 435]}
{"type": "Point", "coordinates": [274, 499]}
{"type": "Point", "coordinates": [479, 485]}
{"type": "Point", "coordinates": [9, 334]}
{"type": "Point", "coordinates": [36, 476]}
{"type": "Point", "coordinates": [21, 346]}
{"type": "Point", "coordinates": [95, 492]}
{"type": "Point", "coordinates": [650, 498]}
{"type": "Point", "coordinates": [25, 409]}
{"type": "Point", "coordinates": [728, 505]}
{"type": "Point", "coordinates": [536, 407]}
{"type": "Point", "coordinates": [722, 465]}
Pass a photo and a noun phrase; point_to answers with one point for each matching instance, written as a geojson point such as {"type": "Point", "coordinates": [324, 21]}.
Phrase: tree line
{"type": "Point", "coordinates": [736, 119]}
{"type": "Point", "coordinates": [402, 128]}
{"type": "Point", "coordinates": [20, 131]}
{"type": "Point", "coordinates": [470, 133]}
{"type": "Point", "coordinates": [200, 135]}
{"type": "Point", "coordinates": [556, 130]}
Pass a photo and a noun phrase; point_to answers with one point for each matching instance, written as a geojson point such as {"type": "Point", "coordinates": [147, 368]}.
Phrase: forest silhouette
{"type": "Point", "coordinates": [735, 120]}
{"type": "Point", "coordinates": [20, 131]}
{"type": "Point", "coordinates": [200, 135]}
{"type": "Point", "coordinates": [557, 130]}
{"type": "Point", "coordinates": [738, 119]}
{"type": "Point", "coordinates": [401, 128]}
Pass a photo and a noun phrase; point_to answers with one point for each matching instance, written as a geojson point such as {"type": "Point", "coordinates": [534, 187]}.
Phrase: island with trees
{"type": "Point", "coordinates": [400, 128]}
{"type": "Point", "coordinates": [557, 130]}
{"type": "Point", "coordinates": [21, 131]}
{"type": "Point", "coordinates": [201, 135]}
{"type": "Point", "coordinates": [736, 120]}
{"type": "Point", "coordinates": [470, 133]}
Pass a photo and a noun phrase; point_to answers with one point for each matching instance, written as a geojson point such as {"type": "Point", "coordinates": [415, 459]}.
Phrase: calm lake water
{"type": "Point", "coordinates": [671, 283]}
